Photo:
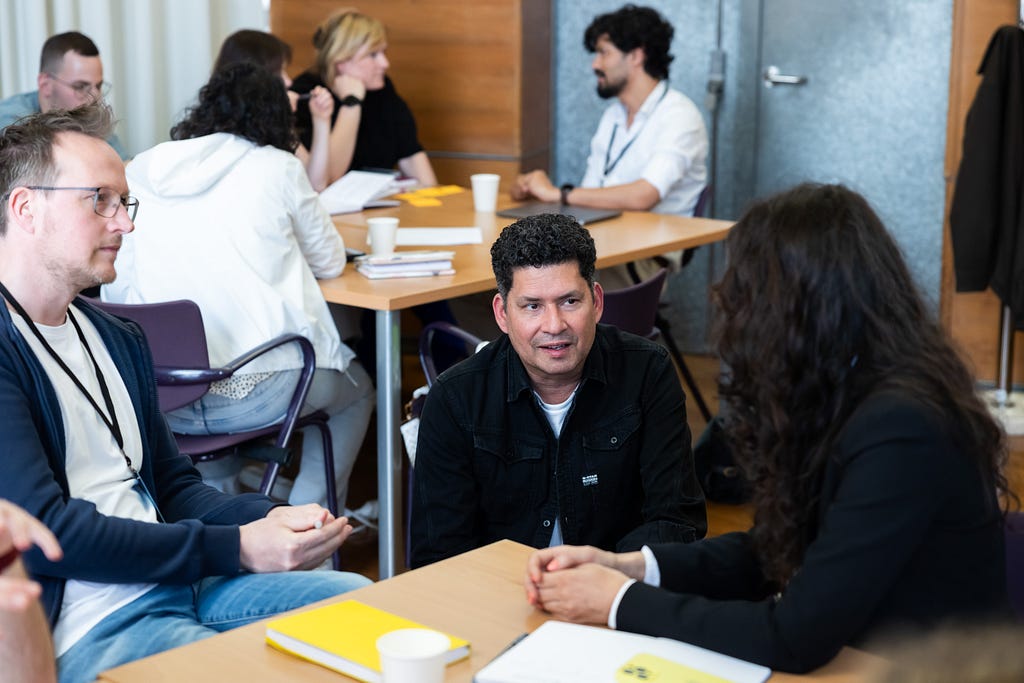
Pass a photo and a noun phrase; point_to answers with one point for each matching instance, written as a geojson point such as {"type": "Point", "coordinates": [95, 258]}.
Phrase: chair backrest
{"type": "Point", "coordinates": [430, 369]}
{"type": "Point", "coordinates": [174, 330]}
{"type": "Point", "coordinates": [701, 207]}
{"type": "Point", "coordinates": [633, 309]}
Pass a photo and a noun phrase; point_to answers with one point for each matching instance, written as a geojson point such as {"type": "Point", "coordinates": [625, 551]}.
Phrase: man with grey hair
{"type": "Point", "coordinates": [562, 429]}
{"type": "Point", "coordinates": [153, 558]}
{"type": "Point", "coordinates": [70, 75]}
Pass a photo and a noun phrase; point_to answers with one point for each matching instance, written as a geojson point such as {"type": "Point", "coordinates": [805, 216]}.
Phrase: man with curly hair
{"type": "Point", "coordinates": [562, 430]}
{"type": "Point", "coordinates": [650, 149]}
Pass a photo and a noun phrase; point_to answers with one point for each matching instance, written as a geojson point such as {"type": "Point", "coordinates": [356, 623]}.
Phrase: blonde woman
{"type": "Point", "coordinates": [372, 126]}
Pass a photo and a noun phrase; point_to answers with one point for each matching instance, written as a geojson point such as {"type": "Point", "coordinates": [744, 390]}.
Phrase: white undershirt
{"type": "Point", "coordinates": [95, 467]}
{"type": "Point", "coordinates": [556, 412]}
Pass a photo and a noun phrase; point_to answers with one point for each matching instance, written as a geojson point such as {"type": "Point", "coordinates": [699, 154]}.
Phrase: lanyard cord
{"type": "Point", "coordinates": [111, 422]}
{"type": "Point", "coordinates": [609, 167]}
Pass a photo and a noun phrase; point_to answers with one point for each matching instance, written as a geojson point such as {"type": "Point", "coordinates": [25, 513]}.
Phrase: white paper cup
{"type": "Point", "coordinates": [382, 234]}
{"type": "Point", "coordinates": [413, 655]}
{"type": "Point", "coordinates": [485, 191]}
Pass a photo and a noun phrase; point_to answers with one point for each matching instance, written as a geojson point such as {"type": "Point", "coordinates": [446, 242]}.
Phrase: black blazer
{"type": "Point", "coordinates": [908, 536]}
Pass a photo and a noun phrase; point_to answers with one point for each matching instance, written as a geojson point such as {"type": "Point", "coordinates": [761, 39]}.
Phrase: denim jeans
{"type": "Point", "coordinates": [347, 397]}
{"type": "Point", "coordinates": [169, 616]}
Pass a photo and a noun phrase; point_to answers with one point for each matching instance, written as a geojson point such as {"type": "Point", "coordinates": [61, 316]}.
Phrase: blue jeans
{"type": "Point", "coordinates": [169, 616]}
{"type": "Point", "coordinates": [347, 397]}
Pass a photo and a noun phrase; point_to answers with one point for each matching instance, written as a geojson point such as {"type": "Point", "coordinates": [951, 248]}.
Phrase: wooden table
{"type": "Point", "coordinates": [632, 236]}
{"type": "Point", "coordinates": [477, 595]}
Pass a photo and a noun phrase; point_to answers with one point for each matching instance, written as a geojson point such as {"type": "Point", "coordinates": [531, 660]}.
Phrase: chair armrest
{"type": "Point", "coordinates": [171, 376]}
{"type": "Point", "coordinates": [231, 367]}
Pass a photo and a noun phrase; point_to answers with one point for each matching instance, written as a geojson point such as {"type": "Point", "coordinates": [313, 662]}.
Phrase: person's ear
{"type": "Point", "coordinates": [500, 313]}
{"type": "Point", "coordinates": [598, 300]}
{"type": "Point", "coordinates": [20, 209]}
{"type": "Point", "coordinates": [636, 57]}
{"type": "Point", "coordinates": [44, 84]}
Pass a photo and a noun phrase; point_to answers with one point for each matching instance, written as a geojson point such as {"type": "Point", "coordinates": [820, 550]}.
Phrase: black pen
{"type": "Point", "coordinates": [515, 641]}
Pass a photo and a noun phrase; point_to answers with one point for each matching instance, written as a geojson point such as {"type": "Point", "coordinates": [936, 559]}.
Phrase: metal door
{"type": "Point", "coordinates": [849, 92]}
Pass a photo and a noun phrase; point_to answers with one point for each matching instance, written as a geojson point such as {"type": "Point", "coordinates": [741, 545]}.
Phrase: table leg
{"type": "Point", "coordinates": [389, 450]}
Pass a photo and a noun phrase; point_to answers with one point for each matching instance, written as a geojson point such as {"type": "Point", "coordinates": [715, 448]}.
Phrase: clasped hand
{"type": "Point", "coordinates": [288, 538]}
{"type": "Point", "coordinates": [535, 184]}
{"type": "Point", "coordinates": [574, 583]}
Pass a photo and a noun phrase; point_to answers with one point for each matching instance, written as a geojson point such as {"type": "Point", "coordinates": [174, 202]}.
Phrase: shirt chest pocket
{"type": "Point", "coordinates": [512, 475]}
{"type": "Point", "coordinates": [612, 446]}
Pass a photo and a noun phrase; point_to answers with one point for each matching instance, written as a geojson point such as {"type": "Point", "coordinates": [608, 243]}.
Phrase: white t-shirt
{"type": "Point", "coordinates": [556, 413]}
{"type": "Point", "coordinates": [667, 146]}
{"type": "Point", "coordinates": [95, 466]}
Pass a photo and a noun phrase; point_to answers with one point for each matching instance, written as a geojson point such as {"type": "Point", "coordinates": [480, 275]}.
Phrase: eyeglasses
{"type": "Point", "coordinates": [85, 88]}
{"type": "Point", "coordinates": [104, 202]}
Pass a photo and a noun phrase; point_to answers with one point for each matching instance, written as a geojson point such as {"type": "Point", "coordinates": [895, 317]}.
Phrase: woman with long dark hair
{"type": "Point", "coordinates": [273, 54]}
{"type": "Point", "coordinates": [875, 466]}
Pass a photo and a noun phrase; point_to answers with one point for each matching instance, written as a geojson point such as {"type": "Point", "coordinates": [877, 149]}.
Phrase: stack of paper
{"type": "Point", "coordinates": [406, 264]}
{"type": "Point", "coordinates": [343, 636]}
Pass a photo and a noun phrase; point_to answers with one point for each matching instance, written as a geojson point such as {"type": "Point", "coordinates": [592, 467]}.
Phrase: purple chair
{"type": "Point", "coordinates": [427, 336]}
{"type": "Point", "coordinates": [635, 310]}
{"type": "Point", "coordinates": [177, 340]}
{"type": "Point", "coordinates": [1014, 529]}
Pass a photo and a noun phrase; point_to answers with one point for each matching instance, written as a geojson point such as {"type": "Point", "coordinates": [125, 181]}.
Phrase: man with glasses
{"type": "Point", "coordinates": [153, 558]}
{"type": "Point", "coordinates": [70, 75]}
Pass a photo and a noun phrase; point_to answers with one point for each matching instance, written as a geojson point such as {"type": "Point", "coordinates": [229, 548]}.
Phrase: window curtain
{"type": "Point", "coordinates": [156, 53]}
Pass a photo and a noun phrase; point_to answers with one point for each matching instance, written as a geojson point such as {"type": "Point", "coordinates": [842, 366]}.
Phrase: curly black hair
{"type": "Point", "coordinates": [245, 100]}
{"type": "Point", "coordinates": [259, 47]}
{"type": "Point", "coordinates": [817, 310]}
{"type": "Point", "coordinates": [631, 27]}
{"type": "Point", "coordinates": [546, 239]}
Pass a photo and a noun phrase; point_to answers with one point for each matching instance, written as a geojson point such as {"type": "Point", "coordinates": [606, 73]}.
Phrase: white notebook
{"type": "Point", "coordinates": [558, 652]}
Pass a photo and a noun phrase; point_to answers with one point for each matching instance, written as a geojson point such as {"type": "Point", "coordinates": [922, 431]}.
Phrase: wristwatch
{"type": "Point", "coordinates": [566, 189]}
{"type": "Point", "coordinates": [351, 101]}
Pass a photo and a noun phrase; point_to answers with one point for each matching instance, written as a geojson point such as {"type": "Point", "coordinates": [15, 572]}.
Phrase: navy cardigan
{"type": "Point", "coordinates": [200, 537]}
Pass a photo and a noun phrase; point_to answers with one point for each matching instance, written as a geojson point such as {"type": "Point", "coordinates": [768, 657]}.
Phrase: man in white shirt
{"type": "Point", "coordinates": [153, 558]}
{"type": "Point", "coordinates": [649, 152]}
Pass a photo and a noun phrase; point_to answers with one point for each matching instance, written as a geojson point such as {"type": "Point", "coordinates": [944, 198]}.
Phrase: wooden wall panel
{"type": "Point", "coordinates": [972, 318]}
{"type": "Point", "coordinates": [476, 74]}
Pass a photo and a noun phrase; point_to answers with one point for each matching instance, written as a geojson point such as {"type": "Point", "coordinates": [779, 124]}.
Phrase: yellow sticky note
{"type": "Point", "coordinates": [648, 668]}
{"type": "Point", "coordinates": [424, 201]}
{"type": "Point", "coordinates": [440, 191]}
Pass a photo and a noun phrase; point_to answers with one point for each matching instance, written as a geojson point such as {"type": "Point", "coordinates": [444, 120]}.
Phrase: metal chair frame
{"type": "Point", "coordinates": [177, 339]}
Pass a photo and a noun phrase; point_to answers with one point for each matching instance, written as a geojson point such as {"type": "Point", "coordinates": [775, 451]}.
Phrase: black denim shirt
{"type": "Point", "coordinates": [489, 467]}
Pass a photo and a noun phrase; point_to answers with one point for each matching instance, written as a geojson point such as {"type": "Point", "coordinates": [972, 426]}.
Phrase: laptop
{"type": "Point", "coordinates": [584, 215]}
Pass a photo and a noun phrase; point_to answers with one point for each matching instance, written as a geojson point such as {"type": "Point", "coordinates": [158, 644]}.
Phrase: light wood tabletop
{"type": "Point", "coordinates": [633, 235]}
{"type": "Point", "coordinates": [477, 596]}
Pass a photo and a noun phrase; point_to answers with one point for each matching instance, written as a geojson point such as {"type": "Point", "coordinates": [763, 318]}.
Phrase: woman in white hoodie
{"type": "Point", "coordinates": [232, 223]}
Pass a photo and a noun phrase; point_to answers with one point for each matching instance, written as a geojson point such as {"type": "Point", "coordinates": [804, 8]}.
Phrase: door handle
{"type": "Point", "coordinates": [772, 77]}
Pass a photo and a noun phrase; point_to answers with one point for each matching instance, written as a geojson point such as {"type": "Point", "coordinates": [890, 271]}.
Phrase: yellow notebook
{"type": "Point", "coordinates": [343, 636]}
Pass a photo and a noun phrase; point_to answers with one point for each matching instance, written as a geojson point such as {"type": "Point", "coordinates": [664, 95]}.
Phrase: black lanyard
{"type": "Point", "coordinates": [609, 167]}
{"type": "Point", "coordinates": [111, 422]}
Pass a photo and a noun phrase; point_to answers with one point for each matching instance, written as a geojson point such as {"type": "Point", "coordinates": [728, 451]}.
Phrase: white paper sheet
{"type": "Point", "coordinates": [566, 653]}
{"type": "Point", "coordinates": [437, 237]}
{"type": "Point", "coordinates": [354, 190]}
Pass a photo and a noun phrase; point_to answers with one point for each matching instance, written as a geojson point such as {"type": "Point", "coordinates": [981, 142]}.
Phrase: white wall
{"type": "Point", "coordinates": [156, 53]}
